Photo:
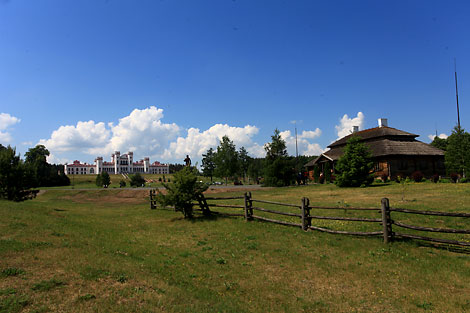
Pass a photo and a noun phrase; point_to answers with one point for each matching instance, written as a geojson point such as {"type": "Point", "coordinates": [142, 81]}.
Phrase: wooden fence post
{"type": "Point", "coordinates": [152, 203]}
{"type": "Point", "coordinates": [248, 208]}
{"type": "Point", "coordinates": [306, 221]}
{"type": "Point", "coordinates": [386, 221]}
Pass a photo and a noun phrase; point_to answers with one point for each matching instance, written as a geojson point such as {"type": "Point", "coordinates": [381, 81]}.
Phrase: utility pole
{"type": "Point", "coordinates": [457, 94]}
{"type": "Point", "coordinates": [458, 116]}
{"type": "Point", "coordinates": [296, 148]}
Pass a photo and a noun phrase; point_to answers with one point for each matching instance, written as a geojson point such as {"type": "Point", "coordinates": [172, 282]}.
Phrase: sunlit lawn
{"type": "Point", "coordinates": [106, 251]}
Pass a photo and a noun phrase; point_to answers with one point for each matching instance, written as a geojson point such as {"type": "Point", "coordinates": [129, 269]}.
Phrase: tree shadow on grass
{"type": "Point", "coordinates": [438, 246]}
{"type": "Point", "coordinates": [213, 216]}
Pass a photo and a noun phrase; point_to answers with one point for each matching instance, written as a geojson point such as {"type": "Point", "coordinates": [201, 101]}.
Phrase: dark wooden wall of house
{"type": "Point", "coordinates": [406, 165]}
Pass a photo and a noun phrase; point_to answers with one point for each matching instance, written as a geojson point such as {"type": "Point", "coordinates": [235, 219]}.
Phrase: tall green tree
{"type": "Point", "coordinates": [277, 147]}
{"type": "Point", "coordinates": [355, 165]}
{"type": "Point", "coordinates": [439, 143]}
{"type": "Point", "coordinates": [12, 175]}
{"type": "Point", "coordinates": [40, 173]}
{"type": "Point", "coordinates": [244, 161]}
{"type": "Point", "coordinates": [36, 161]}
{"type": "Point", "coordinates": [255, 169]}
{"type": "Point", "coordinates": [208, 163]}
{"type": "Point", "coordinates": [279, 169]}
{"type": "Point", "coordinates": [457, 156]}
{"type": "Point", "coordinates": [226, 159]}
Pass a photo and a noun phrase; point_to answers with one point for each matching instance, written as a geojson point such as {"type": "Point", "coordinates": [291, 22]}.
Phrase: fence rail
{"type": "Point", "coordinates": [385, 218]}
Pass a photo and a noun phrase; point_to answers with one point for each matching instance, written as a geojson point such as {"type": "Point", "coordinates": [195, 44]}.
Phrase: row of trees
{"type": "Point", "coordinates": [277, 168]}
{"type": "Point", "coordinates": [457, 151]}
{"type": "Point", "coordinates": [18, 176]}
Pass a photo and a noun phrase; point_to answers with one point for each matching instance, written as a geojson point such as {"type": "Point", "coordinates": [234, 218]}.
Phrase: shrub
{"type": "Point", "coordinates": [47, 285]}
{"type": "Point", "coordinates": [103, 180]}
{"type": "Point", "coordinates": [464, 180]}
{"type": "Point", "coordinates": [183, 191]}
{"type": "Point", "coordinates": [98, 181]}
{"type": "Point", "coordinates": [417, 176]}
{"type": "Point", "coordinates": [454, 177]}
{"type": "Point", "coordinates": [122, 184]}
{"type": "Point", "coordinates": [384, 177]}
{"type": "Point", "coordinates": [137, 180]}
{"type": "Point", "coordinates": [435, 178]}
{"type": "Point", "coordinates": [12, 271]}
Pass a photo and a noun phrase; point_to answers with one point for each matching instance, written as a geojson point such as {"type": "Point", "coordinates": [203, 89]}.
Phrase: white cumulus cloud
{"type": "Point", "coordinates": [86, 136]}
{"type": "Point", "coordinates": [304, 144]}
{"type": "Point", "coordinates": [442, 136]}
{"type": "Point", "coordinates": [142, 131]}
{"type": "Point", "coordinates": [197, 143]}
{"type": "Point", "coordinates": [6, 120]}
{"type": "Point", "coordinates": [346, 124]}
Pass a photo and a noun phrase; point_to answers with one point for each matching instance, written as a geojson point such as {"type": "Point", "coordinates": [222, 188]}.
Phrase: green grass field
{"type": "Point", "coordinates": [106, 251]}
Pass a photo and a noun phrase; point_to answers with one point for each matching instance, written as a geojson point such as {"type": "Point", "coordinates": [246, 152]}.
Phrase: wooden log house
{"type": "Point", "coordinates": [395, 153]}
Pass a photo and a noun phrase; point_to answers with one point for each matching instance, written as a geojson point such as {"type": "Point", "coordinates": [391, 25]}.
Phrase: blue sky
{"type": "Point", "coordinates": [169, 78]}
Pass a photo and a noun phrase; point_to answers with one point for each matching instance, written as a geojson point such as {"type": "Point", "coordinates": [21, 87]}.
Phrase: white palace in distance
{"type": "Point", "coordinates": [120, 164]}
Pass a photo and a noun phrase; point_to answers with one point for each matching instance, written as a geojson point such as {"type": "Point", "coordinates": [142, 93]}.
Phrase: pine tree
{"type": "Point", "coordinates": [457, 156]}
{"type": "Point", "coordinates": [226, 159]}
{"type": "Point", "coordinates": [208, 163]}
{"type": "Point", "coordinates": [279, 169]}
{"type": "Point", "coordinates": [244, 162]}
{"type": "Point", "coordinates": [355, 165]}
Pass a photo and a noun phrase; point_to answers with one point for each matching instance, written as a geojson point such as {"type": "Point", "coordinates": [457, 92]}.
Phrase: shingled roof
{"type": "Point", "coordinates": [382, 141]}
{"type": "Point", "coordinates": [375, 133]}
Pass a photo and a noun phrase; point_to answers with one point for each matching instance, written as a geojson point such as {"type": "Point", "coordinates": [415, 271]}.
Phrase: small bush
{"type": "Point", "coordinates": [464, 180]}
{"type": "Point", "coordinates": [137, 180]}
{"type": "Point", "coordinates": [122, 184]}
{"type": "Point", "coordinates": [122, 279]}
{"type": "Point", "coordinates": [454, 177]}
{"type": "Point", "coordinates": [47, 285]}
{"type": "Point", "coordinates": [384, 177]}
{"type": "Point", "coordinates": [86, 297]}
{"type": "Point", "coordinates": [8, 291]}
{"type": "Point", "coordinates": [417, 176]}
{"type": "Point", "coordinates": [435, 178]}
{"type": "Point", "coordinates": [12, 271]}
{"type": "Point", "coordinates": [221, 261]}
{"type": "Point", "coordinates": [444, 181]}
{"type": "Point", "coordinates": [13, 303]}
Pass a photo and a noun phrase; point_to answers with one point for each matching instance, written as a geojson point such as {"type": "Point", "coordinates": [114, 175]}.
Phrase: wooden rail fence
{"type": "Point", "coordinates": [384, 217]}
